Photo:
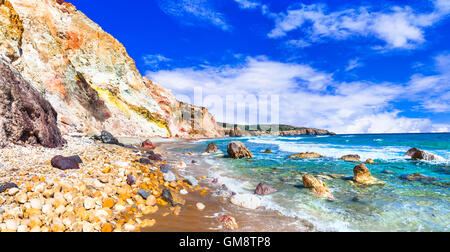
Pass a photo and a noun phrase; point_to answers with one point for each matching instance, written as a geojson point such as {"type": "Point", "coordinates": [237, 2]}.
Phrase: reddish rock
{"type": "Point", "coordinates": [263, 189]}
{"type": "Point", "coordinates": [66, 163]}
{"type": "Point", "coordinates": [229, 222]}
{"type": "Point", "coordinates": [147, 144]}
{"type": "Point", "coordinates": [25, 116]}
{"type": "Point", "coordinates": [237, 150]}
{"type": "Point", "coordinates": [417, 154]}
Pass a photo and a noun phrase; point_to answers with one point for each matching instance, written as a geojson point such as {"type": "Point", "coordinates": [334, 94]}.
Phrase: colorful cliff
{"type": "Point", "coordinates": [88, 77]}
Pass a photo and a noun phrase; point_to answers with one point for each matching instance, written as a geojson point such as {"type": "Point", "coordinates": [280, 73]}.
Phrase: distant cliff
{"type": "Point", "coordinates": [235, 130]}
{"type": "Point", "coordinates": [88, 77]}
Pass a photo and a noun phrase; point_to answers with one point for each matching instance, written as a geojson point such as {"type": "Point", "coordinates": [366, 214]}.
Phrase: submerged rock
{"type": "Point", "coordinates": [66, 163]}
{"type": "Point", "coordinates": [25, 116]}
{"type": "Point", "coordinates": [6, 186]}
{"type": "Point", "coordinates": [361, 175]}
{"type": "Point", "coordinates": [351, 158]}
{"type": "Point", "coordinates": [307, 155]}
{"type": "Point", "coordinates": [248, 201]}
{"type": "Point", "coordinates": [237, 150]}
{"type": "Point", "coordinates": [417, 154]}
{"type": "Point", "coordinates": [268, 151]}
{"type": "Point", "coordinates": [212, 147]}
{"type": "Point", "coordinates": [167, 196]}
{"type": "Point", "coordinates": [263, 189]}
{"type": "Point", "coordinates": [416, 177]}
{"type": "Point", "coordinates": [317, 186]}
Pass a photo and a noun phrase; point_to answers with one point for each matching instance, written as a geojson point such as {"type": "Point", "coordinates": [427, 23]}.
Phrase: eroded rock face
{"type": "Point", "coordinates": [25, 116]}
{"type": "Point", "coordinates": [212, 147]}
{"type": "Point", "coordinates": [351, 158]}
{"type": "Point", "coordinates": [317, 186]}
{"type": "Point", "coordinates": [417, 154]}
{"type": "Point", "coordinates": [88, 77]}
{"type": "Point", "coordinates": [361, 175]}
{"type": "Point", "coordinates": [237, 150]}
{"type": "Point", "coordinates": [307, 155]}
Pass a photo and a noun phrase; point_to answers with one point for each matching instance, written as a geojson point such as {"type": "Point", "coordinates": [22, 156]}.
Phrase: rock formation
{"type": "Point", "coordinates": [416, 177]}
{"type": "Point", "coordinates": [317, 186]}
{"type": "Point", "coordinates": [237, 150]}
{"type": "Point", "coordinates": [270, 130]}
{"type": "Point", "coordinates": [308, 155]}
{"type": "Point", "coordinates": [25, 116]}
{"type": "Point", "coordinates": [417, 154]}
{"type": "Point", "coordinates": [88, 77]}
{"type": "Point", "coordinates": [212, 147]}
{"type": "Point", "coordinates": [351, 158]}
{"type": "Point", "coordinates": [361, 175]}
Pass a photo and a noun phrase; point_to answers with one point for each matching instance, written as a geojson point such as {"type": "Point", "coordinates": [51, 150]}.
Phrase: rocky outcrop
{"type": "Point", "coordinates": [212, 147]}
{"type": "Point", "coordinates": [307, 155]}
{"type": "Point", "coordinates": [417, 154]}
{"type": "Point", "coordinates": [370, 161]}
{"type": "Point", "coordinates": [361, 175]}
{"type": "Point", "coordinates": [237, 150]}
{"type": "Point", "coordinates": [88, 77]}
{"type": "Point", "coordinates": [270, 130]}
{"type": "Point", "coordinates": [263, 189]}
{"type": "Point", "coordinates": [317, 186]}
{"type": "Point", "coordinates": [25, 116]}
{"type": "Point", "coordinates": [351, 158]}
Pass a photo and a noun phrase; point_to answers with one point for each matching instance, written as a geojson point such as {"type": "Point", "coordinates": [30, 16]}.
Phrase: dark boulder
{"type": "Point", "coordinates": [107, 138]}
{"type": "Point", "coordinates": [268, 151]}
{"type": "Point", "coordinates": [6, 186]}
{"type": "Point", "coordinates": [66, 163]}
{"type": "Point", "coordinates": [237, 150]}
{"type": "Point", "coordinates": [417, 154]}
{"type": "Point", "coordinates": [263, 189]}
{"type": "Point", "coordinates": [143, 193]}
{"type": "Point", "coordinates": [212, 147]}
{"type": "Point", "coordinates": [167, 196]}
{"type": "Point", "coordinates": [144, 161]}
{"type": "Point", "coordinates": [153, 156]}
{"type": "Point", "coordinates": [25, 116]}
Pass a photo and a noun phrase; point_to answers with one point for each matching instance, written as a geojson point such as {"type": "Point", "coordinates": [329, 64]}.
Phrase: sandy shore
{"type": "Point", "coordinates": [98, 197]}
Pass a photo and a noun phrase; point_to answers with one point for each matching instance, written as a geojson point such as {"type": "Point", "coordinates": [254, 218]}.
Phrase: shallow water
{"type": "Point", "coordinates": [397, 206]}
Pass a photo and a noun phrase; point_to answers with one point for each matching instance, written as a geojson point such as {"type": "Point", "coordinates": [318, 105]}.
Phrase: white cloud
{"type": "Point", "coordinates": [153, 60]}
{"type": "Point", "coordinates": [248, 4]}
{"type": "Point", "coordinates": [194, 12]}
{"type": "Point", "coordinates": [399, 27]}
{"type": "Point", "coordinates": [352, 64]}
{"type": "Point", "coordinates": [307, 97]}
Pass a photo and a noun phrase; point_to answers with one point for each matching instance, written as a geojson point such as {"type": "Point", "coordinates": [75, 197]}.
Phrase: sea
{"type": "Point", "coordinates": [399, 205]}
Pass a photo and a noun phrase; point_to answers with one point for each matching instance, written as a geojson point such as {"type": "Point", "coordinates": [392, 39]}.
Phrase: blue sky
{"type": "Point", "coordinates": [351, 67]}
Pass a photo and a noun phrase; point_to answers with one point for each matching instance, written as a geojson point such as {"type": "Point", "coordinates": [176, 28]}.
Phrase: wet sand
{"type": "Point", "coordinates": [193, 220]}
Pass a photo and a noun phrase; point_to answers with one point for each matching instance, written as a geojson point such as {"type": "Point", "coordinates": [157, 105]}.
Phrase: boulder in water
{"type": "Point", "coordinates": [317, 186]}
{"type": "Point", "coordinates": [237, 150]}
{"type": "Point", "coordinates": [361, 175]}
{"type": "Point", "coordinates": [370, 161]}
{"type": "Point", "coordinates": [263, 189]}
{"type": "Point", "coordinates": [212, 147]}
{"type": "Point", "coordinates": [147, 144]}
{"type": "Point", "coordinates": [351, 158]}
{"type": "Point", "coordinates": [417, 154]}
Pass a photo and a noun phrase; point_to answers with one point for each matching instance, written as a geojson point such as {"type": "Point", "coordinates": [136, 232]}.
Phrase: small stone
{"type": "Point", "coordinates": [164, 168]}
{"type": "Point", "coordinates": [200, 206]}
{"type": "Point", "coordinates": [183, 192]}
{"type": "Point", "coordinates": [169, 177]}
{"type": "Point", "coordinates": [36, 204]}
{"type": "Point", "coordinates": [151, 200]}
{"type": "Point", "coordinates": [13, 191]}
{"type": "Point", "coordinates": [143, 193]}
{"type": "Point", "coordinates": [131, 180]}
{"type": "Point", "coordinates": [22, 198]}
{"type": "Point", "coordinates": [89, 203]}
{"type": "Point", "coordinates": [263, 189]}
{"type": "Point", "coordinates": [66, 163]}
{"type": "Point", "coordinates": [108, 203]}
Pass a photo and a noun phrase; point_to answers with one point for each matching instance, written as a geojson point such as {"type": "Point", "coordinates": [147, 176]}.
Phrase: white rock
{"type": "Point", "coordinates": [200, 206]}
{"type": "Point", "coordinates": [46, 208]}
{"type": "Point", "coordinates": [40, 188]}
{"type": "Point", "coordinates": [89, 203]}
{"type": "Point", "coordinates": [183, 192]}
{"type": "Point", "coordinates": [248, 201]}
{"type": "Point", "coordinates": [13, 191]}
{"type": "Point", "coordinates": [129, 228]}
{"type": "Point", "coordinates": [22, 229]}
{"type": "Point", "coordinates": [11, 225]}
{"type": "Point", "coordinates": [169, 177]}
{"type": "Point", "coordinates": [36, 204]}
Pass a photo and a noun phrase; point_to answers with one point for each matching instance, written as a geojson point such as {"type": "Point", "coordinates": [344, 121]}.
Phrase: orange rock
{"type": "Point", "coordinates": [107, 228]}
{"type": "Point", "coordinates": [108, 203]}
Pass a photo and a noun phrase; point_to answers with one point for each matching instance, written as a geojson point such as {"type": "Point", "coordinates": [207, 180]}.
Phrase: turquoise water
{"type": "Point", "coordinates": [397, 206]}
